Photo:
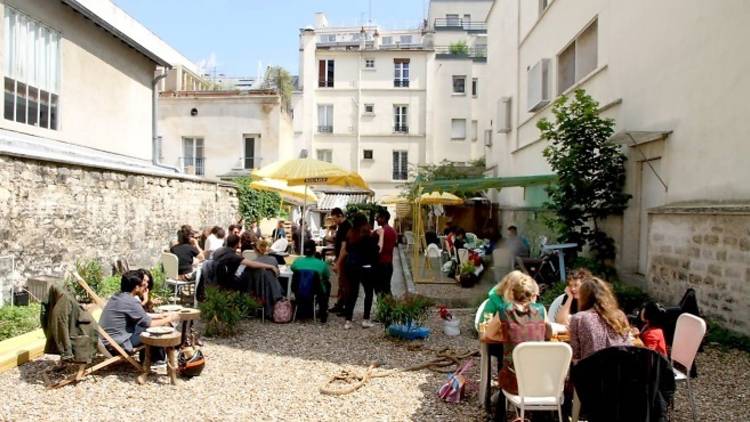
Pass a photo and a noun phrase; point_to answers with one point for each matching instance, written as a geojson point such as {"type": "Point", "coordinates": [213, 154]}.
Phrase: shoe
{"type": "Point", "coordinates": [159, 364]}
{"type": "Point", "coordinates": [348, 325]}
{"type": "Point", "coordinates": [367, 324]}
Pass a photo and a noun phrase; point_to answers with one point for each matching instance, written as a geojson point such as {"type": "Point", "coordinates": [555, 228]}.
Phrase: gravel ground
{"type": "Point", "coordinates": [273, 372]}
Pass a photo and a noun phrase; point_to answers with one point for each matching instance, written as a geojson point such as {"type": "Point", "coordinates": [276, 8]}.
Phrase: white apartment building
{"type": "Point", "coordinates": [672, 75]}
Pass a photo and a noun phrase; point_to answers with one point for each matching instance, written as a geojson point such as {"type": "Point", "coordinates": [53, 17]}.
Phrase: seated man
{"type": "Point", "coordinates": [124, 318]}
{"type": "Point", "coordinates": [310, 263]}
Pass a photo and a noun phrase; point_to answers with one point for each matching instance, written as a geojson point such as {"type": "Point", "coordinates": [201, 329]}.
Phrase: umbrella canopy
{"type": "Point", "coordinates": [282, 188]}
{"type": "Point", "coordinates": [393, 200]}
{"type": "Point", "coordinates": [306, 171]}
{"type": "Point", "coordinates": [440, 198]}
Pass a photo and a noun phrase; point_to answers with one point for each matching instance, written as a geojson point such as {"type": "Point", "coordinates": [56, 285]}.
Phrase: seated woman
{"type": "Point", "coordinates": [566, 304]}
{"type": "Point", "coordinates": [523, 320]}
{"type": "Point", "coordinates": [599, 322]}
{"type": "Point", "coordinates": [187, 250]}
{"type": "Point", "coordinates": [652, 334]}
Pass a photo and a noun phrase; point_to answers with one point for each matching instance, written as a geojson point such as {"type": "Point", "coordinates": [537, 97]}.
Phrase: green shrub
{"type": "Point", "coordinates": [408, 310]}
{"type": "Point", "coordinates": [109, 286]}
{"type": "Point", "coordinates": [552, 292]}
{"type": "Point", "coordinates": [459, 48]}
{"type": "Point", "coordinates": [726, 338]}
{"type": "Point", "coordinates": [161, 291]}
{"type": "Point", "coordinates": [91, 271]}
{"type": "Point", "coordinates": [629, 297]}
{"type": "Point", "coordinates": [222, 310]}
{"type": "Point", "coordinates": [17, 320]}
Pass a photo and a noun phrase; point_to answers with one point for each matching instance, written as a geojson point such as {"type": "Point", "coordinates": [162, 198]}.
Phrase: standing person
{"type": "Point", "coordinates": [186, 250]}
{"type": "Point", "coordinates": [339, 245]}
{"type": "Point", "coordinates": [360, 256]}
{"type": "Point", "coordinates": [599, 322]}
{"type": "Point", "coordinates": [255, 229]}
{"type": "Point", "coordinates": [235, 229]}
{"type": "Point", "coordinates": [278, 232]}
{"type": "Point", "coordinates": [519, 245]}
{"type": "Point", "coordinates": [387, 238]}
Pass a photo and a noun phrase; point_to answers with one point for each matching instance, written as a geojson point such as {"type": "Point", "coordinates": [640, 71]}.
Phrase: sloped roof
{"type": "Point", "coordinates": [329, 201]}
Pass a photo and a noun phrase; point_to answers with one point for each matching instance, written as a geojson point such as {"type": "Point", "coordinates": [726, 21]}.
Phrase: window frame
{"type": "Point", "coordinates": [453, 129]}
{"type": "Point", "coordinates": [326, 73]}
{"type": "Point", "coordinates": [252, 157]}
{"type": "Point", "coordinates": [474, 87]}
{"type": "Point", "coordinates": [328, 118]}
{"type": "Point", "coordinates": [572, 49]}
{"type": "Point", "coordinates": [321, 153]}
{"type": "Point", "coordinates": [365, 154]}
{"type": "Point", "coordinates": [371, 106]}
{"type": "Point", "coordinates": [401, 118]}
{"type": "Point", "coordinates": [456, 78]}
{"type": "Point", "coordinates": [401, 73]}
{"type": "Point", "coordinates": [370, 61]}
{"type": "Point", "coordinates": [400, 165]}
{"type": "Point", "coordinates": [196, 153]}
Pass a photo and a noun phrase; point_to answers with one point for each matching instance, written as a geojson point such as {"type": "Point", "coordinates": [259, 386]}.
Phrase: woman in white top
{"type": "Point", "coordinates": [566, 304]}
{"type": "Point", "coordinates": [215, 240]}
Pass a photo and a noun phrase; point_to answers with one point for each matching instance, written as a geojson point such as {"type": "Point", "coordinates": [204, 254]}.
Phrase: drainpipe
{"type": "Point", "coordinates": [154, 117]}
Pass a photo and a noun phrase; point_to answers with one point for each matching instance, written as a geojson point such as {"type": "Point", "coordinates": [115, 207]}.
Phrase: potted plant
{"type": "Point", "coordinates": [450, 324]}
{"type": "Point", "coordinates": [466, 276]}
{"type": "Point", "coordinates": [403, 317]}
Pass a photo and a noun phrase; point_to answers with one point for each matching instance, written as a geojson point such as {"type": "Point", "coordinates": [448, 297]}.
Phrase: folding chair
{"type": "Point", "coordinates": [85, 370]}
{"type": "Point", "coordinates": [170, 262]}
{"type": "Point", "coordinates": [688, 336]}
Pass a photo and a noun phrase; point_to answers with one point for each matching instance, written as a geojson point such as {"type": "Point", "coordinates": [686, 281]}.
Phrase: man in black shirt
{"type": "Point", "coordinates": [339, 245]}
{"type": "Point", "coordinates": [227, 263]}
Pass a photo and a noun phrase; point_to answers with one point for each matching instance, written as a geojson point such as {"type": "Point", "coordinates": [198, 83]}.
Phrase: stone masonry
{"type": "Point", "coordinates": [709, 252]}
{"type": "Point", "coordinates": [54, 214]}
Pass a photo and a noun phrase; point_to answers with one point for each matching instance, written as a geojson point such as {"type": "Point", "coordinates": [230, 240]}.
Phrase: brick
{"type": "Point", "coordinates": [721, 255]}
{"type": "Point", "coordinates": [732, 272]}
{"type": "Point", "coordinates": [695, 279]}
{"type": "Point", "coordinates": [745, 244]}
{"type": "Point", "coordinates": [665, 249]}
{"type": "Point", "coordinates": [730, 240]}
{"type": "Point", "coordinates": [707, 253]}
{"type": "Point", "coordinates": [717, 229]}
{"type": "Point", "coordinates": [715, 269]}
{"type": "Point", "coordinates": [695, 252]}
{"type": "Point", "coordinates": [698, 239]}
{"type": "Point", "coordinates": [711, 239]}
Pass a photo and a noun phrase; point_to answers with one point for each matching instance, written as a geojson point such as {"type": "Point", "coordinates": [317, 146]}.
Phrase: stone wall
{"type": "Point", "coordinates": [709, 252]}
{"type": "Point", "coordinates": [54, 214]}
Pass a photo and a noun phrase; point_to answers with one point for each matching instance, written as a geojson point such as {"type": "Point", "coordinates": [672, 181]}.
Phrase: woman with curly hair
{"type": "Point", "coordinates": [599, 322]}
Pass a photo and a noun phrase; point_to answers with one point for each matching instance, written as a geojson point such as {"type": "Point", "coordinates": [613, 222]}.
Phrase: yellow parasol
{"type": "Point", "coordinates": [393, 200]}
{"type": "Point", "coordinates": [437, 198]}
{"type": "Point", "coordinates": [306, 171]}
{"type": "Point", "coordinates": [282, 188]}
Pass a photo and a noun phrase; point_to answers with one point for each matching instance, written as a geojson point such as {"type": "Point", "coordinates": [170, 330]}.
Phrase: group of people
{"type": "Point", "coordinates": [363, 257]}
{"type": "Point", "coordinates": [588, 309]}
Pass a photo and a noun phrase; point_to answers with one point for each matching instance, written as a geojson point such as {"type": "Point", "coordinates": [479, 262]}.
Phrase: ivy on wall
{"type": "Point", "coordinates": [256, 205]}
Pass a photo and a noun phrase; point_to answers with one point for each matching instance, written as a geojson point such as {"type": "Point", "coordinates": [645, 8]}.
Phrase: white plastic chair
{"type": "Point", "coordinates": [170, 262]}
{"type": "Point", "coordinates": [432, 252]}
{"type": "Point", "coordinates": [540, 368]}
{"type": "Point", "coordinates": [409, 236]}
{"type": "Point", "coordinates": [250, 255]}
{"type": "Point", "coordinates": [485, 360]}
{"type": "Point", "coordinates": [463, 256]}
{"type": "Point", "coordinates": [280, 245]}
{"type": "Point", "coordinates": [688, 335]}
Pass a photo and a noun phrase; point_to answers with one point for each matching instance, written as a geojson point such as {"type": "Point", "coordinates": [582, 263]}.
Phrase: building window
{"type": "Point", "coordinates": [459, 84]}
{"type": "Point", "coordinates": [192, 156]}
{"type": "Point", "coordinates": [367, 154]}
{"type": "Point", "coordinates": [458, 129]}
{"type": "Point", "coordinates": [578, 59]}
{"type": "Point", "coordinates": [405, 39]}
{"type": "Point", "coordinates": [325, 73]}
{"type": "Point", "coordinates": [369, 63]}
{"type": "Point", "coordinates": [474, 86]}
{"type": "Point", "coordinates": [452, 20]}
{"type": "Point", "coordinates": [401, 73]}
{"type": "Point", "coordinates": [325, 155]}
{"type": "Point", "coordinates": [325, 118]}
{"type": "Point", "coordinates": [249, 158]}
{"type": "Point", "coordinates": [32, 71]}
{"type": "Point", "coordinates": [488, 138]}
{"type": "Point", "coordinates": [400, 165]}
{"type": "Point", "coordinates": [328, 38]}
{"type": "Point", "coordinates": [400, 119]}
{"type": "Point", "coordinates": [387, 40]}
{"type": "Point", "coordinates": [369, 108]}
{"type": "Point", "coordinates": [474, 130]}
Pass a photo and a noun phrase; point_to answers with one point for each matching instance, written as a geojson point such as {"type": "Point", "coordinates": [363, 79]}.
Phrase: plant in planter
{"type": "Point", "coordinates": [223, 309]}
{"type": "Point", "coordinates": [403, 317]}
{"type": "Point", "coordinates": [467, 276]}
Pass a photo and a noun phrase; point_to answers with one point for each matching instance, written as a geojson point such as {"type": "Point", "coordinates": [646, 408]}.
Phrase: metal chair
{"type": "Point", "coordinates": [688, 336]}
{"type": "Point", "coordinates": [303, 285]}
{"type": "Point", "coordinates": [540, 368]}
{"type": "Point", "coordinates": [170, 262]}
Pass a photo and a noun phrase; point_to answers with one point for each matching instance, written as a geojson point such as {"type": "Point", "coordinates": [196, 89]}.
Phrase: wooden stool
{"type": "Point", "coordinates": [167, 341]}
{"type": "Point", "coordinates": [187, 316]}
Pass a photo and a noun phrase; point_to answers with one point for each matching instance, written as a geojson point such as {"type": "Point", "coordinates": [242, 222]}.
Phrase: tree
{"type": "Point", "coordinates": [256, 205]}
{"type": "Point", "coordinates": [590, 170]}
{"type": "Point", "coordinates": [446, 170]}
{"type": "Point", "coordinates": [278, 78]}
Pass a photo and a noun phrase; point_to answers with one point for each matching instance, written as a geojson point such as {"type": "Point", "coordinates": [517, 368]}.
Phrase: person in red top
{"type": "Point", "coordinates": [651, 334]}
{"type": "Point", "coordinates": [387, 238]}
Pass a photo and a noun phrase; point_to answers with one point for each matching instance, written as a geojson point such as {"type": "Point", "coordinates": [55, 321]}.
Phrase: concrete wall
{"type": "Point", "coordinates": [223, 122]}
{"type": "Point", "coordinates": [708, 252]}
{"type": "Point", "coordinates": [52, 214]}
{"type": "Point", "coordinates": [105, 89]}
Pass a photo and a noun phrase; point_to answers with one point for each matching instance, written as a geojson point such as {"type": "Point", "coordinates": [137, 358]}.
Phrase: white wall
{"type": "Point", "coordinates": [105, 90]}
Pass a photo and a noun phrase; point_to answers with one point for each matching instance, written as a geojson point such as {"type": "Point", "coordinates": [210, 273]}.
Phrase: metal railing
{"type": "Point", "coordinates": [401, 128]}
{"type": "Point", "coordinates": [461, 24]}
{"type": "Point", "coordinates": [325, 129]}
{"type": "Point", "coordinates": [460, 51]}
{"type": "Point", "coordinates": [193, 165]}
{"type": "Point", "coordinates": [401, 83]}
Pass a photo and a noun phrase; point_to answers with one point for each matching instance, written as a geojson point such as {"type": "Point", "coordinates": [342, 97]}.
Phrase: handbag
{"type": "Point", "coordinates": [491, 331]}
{"type": "Point", "coordinates": [282, 311]}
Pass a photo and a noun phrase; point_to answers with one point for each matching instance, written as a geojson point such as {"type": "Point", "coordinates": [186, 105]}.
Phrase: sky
{"type": "Point", "coordinates": [233, 36]}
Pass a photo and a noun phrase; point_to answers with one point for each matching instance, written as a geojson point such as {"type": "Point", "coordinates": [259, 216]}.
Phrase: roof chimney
{"type": "Point", "coordinates": [320, 20]}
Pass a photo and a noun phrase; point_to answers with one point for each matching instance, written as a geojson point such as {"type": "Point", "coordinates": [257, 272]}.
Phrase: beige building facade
{"type": "Point", "coordinates": [673, 92]}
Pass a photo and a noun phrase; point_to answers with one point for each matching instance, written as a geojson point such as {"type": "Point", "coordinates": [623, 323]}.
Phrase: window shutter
{"type": "Point", "coordinates": [321, 73]}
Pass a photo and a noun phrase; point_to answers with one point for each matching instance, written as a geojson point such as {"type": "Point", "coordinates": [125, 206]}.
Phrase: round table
{"type": "Point", "coordinates": [187, 316]}
{"type": "Point", "coordinates": [167, 341]}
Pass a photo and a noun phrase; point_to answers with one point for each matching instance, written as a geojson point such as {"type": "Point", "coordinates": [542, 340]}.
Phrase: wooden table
{"type": "Point", "coordinates": [167, 341]}
{"type": "Point", "coordinates": [187, 316]}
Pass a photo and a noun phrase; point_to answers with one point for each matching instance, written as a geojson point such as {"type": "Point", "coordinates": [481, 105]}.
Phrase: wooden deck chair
{"type": "Point", "coordinates": [85, 369]}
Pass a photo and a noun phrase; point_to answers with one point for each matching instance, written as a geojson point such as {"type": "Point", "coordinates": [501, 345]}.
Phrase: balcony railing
{"type": "Point", "coordinates": [193, 165]}
{"type": "Point", "coordinates": [401, 83]}
{"type": "Point", "coordinates": [450, 52]}
{"type": "Point", "coordinates": [460, 24]}
{"type": "Point", "coordinates": [325, 129]}
{"type": "Point", "coordinates": [401, 129]}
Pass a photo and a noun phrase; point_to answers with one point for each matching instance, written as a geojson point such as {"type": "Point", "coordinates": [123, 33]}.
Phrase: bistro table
{"type": "Point", "coordinates": [187, 316]}
{"type": "Point", "coordinates": [286, 272]}
{"type": "Point", "coordinates": [169, 342]}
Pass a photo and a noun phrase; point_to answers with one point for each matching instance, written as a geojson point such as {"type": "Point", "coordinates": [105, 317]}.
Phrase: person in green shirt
{"type": "Point", "coordinates": [310, 263]}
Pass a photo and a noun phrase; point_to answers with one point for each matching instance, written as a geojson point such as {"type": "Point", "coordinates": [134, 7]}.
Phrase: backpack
{"type": "Point", "coordinates": [282, 311]}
